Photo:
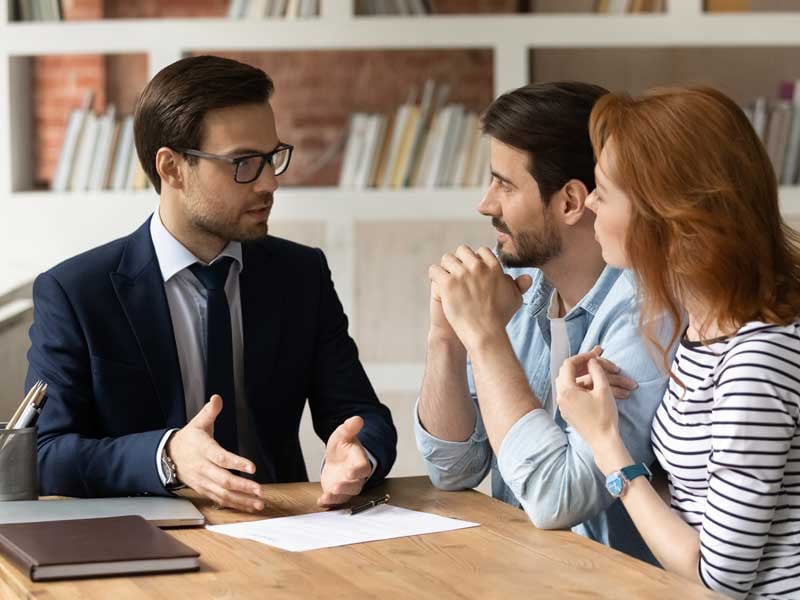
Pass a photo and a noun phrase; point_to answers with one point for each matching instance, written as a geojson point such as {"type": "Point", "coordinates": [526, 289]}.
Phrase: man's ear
{"type": "Point", "coordinates": [169, 165]}
{"type": "Point", "coordinates": [573, 197]}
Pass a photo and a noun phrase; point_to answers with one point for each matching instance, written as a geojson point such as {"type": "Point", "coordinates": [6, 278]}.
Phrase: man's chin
{"type": "Point", "coordinates": [252, 233]}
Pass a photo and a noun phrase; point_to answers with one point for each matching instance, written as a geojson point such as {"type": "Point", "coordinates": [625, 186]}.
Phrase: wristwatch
{"type": "Point", "coordinates": [618, 481]}
{"type": "Point", "coordinates": [171, 481]}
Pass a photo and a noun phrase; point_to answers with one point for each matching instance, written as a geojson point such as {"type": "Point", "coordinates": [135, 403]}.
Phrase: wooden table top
{"type": "Point", "coordinates": [506, 557]}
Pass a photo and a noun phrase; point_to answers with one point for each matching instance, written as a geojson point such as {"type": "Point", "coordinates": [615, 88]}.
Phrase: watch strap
{"type": "Point", "coordinates": [631, 472]}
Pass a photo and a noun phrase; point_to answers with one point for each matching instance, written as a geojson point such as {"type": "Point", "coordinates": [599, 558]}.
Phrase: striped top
{"type": "Point", "coordinates": [731, 446]}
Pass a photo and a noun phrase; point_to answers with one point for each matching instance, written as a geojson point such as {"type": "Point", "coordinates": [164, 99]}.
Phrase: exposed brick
{"type": "Point", "coordinates": [316, 91]}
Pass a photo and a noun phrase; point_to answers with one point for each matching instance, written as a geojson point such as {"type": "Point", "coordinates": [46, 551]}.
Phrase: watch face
{"type": "Point", "coordinates": [614, 484]}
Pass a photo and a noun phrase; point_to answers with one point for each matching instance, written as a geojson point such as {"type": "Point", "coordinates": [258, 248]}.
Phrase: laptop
{"type": "Point", "coordinates": [160, 511]}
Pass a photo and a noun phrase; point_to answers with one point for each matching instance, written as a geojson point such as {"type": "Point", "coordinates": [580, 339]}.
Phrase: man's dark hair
{"type": "Point", "coordinates": [170, 110]}
{"type": "Point", "coordinates": [549, 121]}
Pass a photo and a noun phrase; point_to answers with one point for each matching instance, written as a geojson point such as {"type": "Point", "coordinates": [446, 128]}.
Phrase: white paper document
{"type": "Point", "coordinates": [339, 528]}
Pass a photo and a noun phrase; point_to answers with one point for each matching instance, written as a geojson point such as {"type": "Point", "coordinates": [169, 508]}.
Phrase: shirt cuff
{"type": "Point", "coordinates": [446, 449]}
{"type": "Point", "coordinates": [526, 446]}
{"type": "Point", "coordinates": [160, 452]}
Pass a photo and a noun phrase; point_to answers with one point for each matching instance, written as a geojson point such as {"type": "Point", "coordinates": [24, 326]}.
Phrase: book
{"type": "Point", "coordinates": [760, 117]}
{"type": "Point", "coordinates": [122, 158]}
{"type": "Point", "coordinates": [102, 156]}
{"type": "Point", "coordinates": [237, 9]}
{"type": "Point", "coordinates": [94, 547]}
{"type": "Point", "coordinates": [778, 134]}
{"type": "Point", "coordinates": [376, 130]}
{"type": "Point", "coordinates": [66, 159]}
{"type": "Point", "coordinates": [353, 153]}
{"type": "Point", "coordinates": [398, 130]}
{"type": "Point", "coordinates": [85, 154]}
{"type": "Point", "coordinates": [791, 160]}
{"type": "Point", "coordinates": [727, 5]}
{"type": "Point", "coordinates": [69, 148]}
{"type": "Point", "coordinates": [161, 511]}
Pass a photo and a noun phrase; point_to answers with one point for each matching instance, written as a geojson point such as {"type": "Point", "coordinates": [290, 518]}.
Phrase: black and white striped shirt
{"type": "Point", "coordinates": [731, 445]}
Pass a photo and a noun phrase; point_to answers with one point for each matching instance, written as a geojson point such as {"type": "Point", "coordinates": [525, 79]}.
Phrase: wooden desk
{"type": "Point", "coordinates": [506, 557]}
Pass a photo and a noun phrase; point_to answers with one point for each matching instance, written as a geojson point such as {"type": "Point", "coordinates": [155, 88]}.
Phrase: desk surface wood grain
{"type": "Point", "coordinates": [506, 557]}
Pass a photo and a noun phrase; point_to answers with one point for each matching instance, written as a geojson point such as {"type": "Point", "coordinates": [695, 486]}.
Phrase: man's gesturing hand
{"type": "Point", "coordinates": [347, 466]}
{"type": "Point", "coordinates": [204, 465]}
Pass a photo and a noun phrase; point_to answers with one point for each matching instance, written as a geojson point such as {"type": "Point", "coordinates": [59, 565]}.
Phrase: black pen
{"type": "Point", "coordinates": [367, 505]}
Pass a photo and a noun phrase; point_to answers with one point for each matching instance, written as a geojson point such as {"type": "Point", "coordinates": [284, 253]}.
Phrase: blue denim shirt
{"type": "Point", "coordinates": [543, 465]}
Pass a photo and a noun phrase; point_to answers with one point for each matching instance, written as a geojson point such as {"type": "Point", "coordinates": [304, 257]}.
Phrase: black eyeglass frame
{"type": "Point", "coordinates": [237, 160]}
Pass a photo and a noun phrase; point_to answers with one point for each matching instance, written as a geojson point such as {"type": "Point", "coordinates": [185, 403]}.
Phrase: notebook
{"type": "Point", "coordinates": [160, 511]}
{"type": "Point", "coordinates": [94, 547]}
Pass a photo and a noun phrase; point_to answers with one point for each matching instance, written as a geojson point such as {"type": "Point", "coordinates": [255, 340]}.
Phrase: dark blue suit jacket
{"type": "Point", "coordinates": [102, 339]}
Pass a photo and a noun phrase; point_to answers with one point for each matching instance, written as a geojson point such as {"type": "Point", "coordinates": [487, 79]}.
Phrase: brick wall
{"type": "Point", "coordinates": [315, 91]}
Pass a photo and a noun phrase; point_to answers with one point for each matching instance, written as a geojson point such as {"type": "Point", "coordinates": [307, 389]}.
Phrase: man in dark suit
{"type": "Point", "coordinates": [184, 353]}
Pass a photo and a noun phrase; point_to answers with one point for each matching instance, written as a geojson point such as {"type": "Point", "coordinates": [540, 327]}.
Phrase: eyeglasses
{"type": "Point", "coordinates": [249, 166]}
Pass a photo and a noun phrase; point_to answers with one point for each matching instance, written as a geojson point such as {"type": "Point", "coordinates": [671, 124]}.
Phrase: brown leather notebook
{"type": "Point", "coordinates": [94, 547]}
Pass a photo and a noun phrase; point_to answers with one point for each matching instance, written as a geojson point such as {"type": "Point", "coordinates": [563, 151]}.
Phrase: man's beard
{"type": "Point", "coordinates": [534, 248]}
{"type": "Point", "coordinates": [219, 226]}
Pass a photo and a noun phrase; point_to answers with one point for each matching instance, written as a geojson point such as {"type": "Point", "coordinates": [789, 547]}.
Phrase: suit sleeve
{"type": "Point", "coordinates": [74, 459]}
{"type": "Point", "coordinates": [340, 388]}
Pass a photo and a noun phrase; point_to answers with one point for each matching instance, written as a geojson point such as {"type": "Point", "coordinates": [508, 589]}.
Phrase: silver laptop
{"type": "Point", "coordinates": [160, 511]}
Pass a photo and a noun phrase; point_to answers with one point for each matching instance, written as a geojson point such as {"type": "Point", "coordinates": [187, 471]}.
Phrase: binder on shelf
{"type": "Point", "coordinates": [86, 148]}
{"type": "Point", "coordinates": [792, 159]}
{"type": "Point", "coordinates": [122, 159]}
{"type": "Point", "coordinates": [102, 155]}
{"type": "Point", "coordinates": [69, 148]}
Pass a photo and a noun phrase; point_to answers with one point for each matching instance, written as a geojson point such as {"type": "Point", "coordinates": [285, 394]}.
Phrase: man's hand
{"type": "Point", "coordinates": [440, 329]}
{"type": "Point", "coordinates": [203, 464]}
{"type": "Point", "coordinates": [347, 467]}
{"type": "Point", "coordinates": [477, 297]}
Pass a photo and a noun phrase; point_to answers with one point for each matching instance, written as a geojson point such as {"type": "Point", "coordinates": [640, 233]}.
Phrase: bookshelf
{"type": "Point", "coordinates": [67, 223]}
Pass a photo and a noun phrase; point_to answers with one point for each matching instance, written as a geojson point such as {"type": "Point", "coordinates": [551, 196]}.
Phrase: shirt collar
{"type": "Point", "coordinates": [174, 257]}
{"type": "Point", "coordinates": [539, 295]}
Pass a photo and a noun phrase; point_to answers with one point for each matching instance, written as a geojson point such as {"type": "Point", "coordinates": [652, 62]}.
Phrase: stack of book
{"type": "Point", "coordinates": [393, 7]}
{"type": "Point", "coordinates": [426, 144]}
{"type": "Point", "coordinates": [276, 9]}
{"type": "Point", "coordinates": [777, 123]}
{"type": "Point", "coordinates": [621, 7]}
{"type": "Point", "coordinates": [98, 153]}
{"type": "Point", "coordinates": [38, 10]}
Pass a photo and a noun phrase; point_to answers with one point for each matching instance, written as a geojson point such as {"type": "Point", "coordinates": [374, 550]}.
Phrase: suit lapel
{"type": "Point", "coordinates": [140, 290]}
{"type": "Point", "coordinates": [262, 308]}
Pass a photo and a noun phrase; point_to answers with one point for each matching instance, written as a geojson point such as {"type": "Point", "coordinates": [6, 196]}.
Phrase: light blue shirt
{"type": "Point", "coordinates": [543, 465]}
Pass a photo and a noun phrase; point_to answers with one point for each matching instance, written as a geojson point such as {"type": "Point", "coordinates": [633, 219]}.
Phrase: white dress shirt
{"type": "Point", "coordinates": [187, 300]}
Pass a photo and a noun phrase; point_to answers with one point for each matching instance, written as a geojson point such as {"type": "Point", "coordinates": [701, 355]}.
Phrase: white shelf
{"type": "Point", "coordinates": [462, 31]}
{"type": "Point", "coordinates": [312, 204]}
{"type": "Point", "coordinates": [305, 204]}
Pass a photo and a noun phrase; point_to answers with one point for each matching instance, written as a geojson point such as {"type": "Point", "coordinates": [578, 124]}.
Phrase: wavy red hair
{"type": "Point", "coordinates": [705, 220]}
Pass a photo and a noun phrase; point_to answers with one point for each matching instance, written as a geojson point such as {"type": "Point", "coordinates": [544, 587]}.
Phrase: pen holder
{"type": "Point", "coordinates": [18, 467]}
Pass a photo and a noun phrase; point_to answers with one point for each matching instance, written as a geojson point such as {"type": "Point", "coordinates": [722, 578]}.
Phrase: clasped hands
{"type": "Point", "coordinates": [203, 465]}
{"type": "Point", "coordinates": [472, 298]}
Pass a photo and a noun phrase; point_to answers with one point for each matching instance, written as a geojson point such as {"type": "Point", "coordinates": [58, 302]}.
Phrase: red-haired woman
{"type": "Point", "coordinates": [686, 197]}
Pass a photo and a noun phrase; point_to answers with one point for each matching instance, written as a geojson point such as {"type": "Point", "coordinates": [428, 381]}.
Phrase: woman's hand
{"type": "Point", "coordinates": [585, 397]}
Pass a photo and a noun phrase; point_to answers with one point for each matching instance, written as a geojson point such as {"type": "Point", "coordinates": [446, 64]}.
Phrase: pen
{"type": "Point", "coordinates": [367, 505]}
{"type": "Point", "coordinates": [33, 410]}
{"type": "Point", "coordinates": [25, 402]}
